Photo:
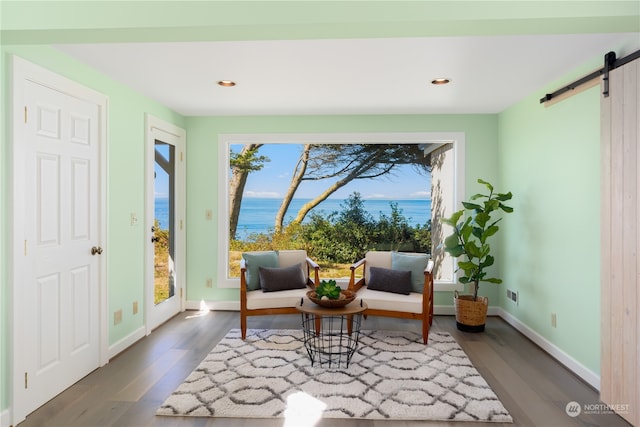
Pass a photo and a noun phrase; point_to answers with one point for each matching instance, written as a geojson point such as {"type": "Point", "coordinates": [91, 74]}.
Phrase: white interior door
{"type": "Point", "coordinates": [57, 242]}
{"type": "Point", "coordinates": [165, 221]}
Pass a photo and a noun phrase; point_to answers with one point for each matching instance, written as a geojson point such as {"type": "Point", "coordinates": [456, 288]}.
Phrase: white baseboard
{"type": "Point", "coordinates": [213, 305]}
{"type": "Point", "coordinates": [5, 417]}
{"type": "Point", "coordinates": [126, 342]}
{"type": "Point", "coordinates": [569, 362]}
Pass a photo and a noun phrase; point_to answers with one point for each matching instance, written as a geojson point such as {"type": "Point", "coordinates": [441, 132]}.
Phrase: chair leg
{"type": "Point", "coordinates": [425, 330]}
{"type": "Point", "coordinates": [243, 325]}
{"type": "Point", "coordinates": [431, 307]}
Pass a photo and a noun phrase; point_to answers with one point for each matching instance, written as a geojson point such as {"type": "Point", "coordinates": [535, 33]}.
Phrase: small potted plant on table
{"type": "Point", "coordinates": [329, 294]}
{"type": "Point", "coordinates": [469, 243]}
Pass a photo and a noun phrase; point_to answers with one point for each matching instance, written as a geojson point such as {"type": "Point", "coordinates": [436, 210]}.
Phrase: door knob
{"type": "Point", "coordinates": [96, 250]}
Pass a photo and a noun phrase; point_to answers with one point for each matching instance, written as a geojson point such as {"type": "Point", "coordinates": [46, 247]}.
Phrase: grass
{"type": "Point", "coordinates": [160, 274]}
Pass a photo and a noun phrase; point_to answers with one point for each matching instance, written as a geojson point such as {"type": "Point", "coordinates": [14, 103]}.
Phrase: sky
{"type": "Point", "coordinates": [275, 177]}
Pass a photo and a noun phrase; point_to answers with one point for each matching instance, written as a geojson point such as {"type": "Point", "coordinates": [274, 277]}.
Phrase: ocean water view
{"type": "Point", "coordinates": [162, 212]}
{"type": "Point", "coordinates": [257, 215]}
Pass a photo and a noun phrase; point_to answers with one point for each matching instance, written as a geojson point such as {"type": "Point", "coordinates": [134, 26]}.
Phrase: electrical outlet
{"type": "Point", "coordinates": [209, 282]}
{"type": "Point", "coordinates": [134, 219]}
{"type": "Point", "coordinates": [513, 296]}
{"type": "Point", "coordinates": [554, 320]}
{"type": "Point", "coordinates": [117, 317]}
{"type": "Point", "coordinates": [135, 307]}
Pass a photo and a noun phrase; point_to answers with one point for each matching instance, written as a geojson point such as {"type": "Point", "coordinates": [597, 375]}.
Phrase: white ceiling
{"type": "Point", "coordinates": [348, 76]}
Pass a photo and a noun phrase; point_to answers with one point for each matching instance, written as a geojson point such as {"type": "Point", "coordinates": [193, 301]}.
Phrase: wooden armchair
{"type": "Point", "coordinates": [383, 286]}
{"type": "Point", "coordinates": [282, 286]}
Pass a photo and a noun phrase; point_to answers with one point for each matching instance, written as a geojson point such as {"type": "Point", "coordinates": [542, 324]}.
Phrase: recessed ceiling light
{"type": "Point", "coordinates": [440, 81]}
{"type": "Point", "coordinates": [227, 83]}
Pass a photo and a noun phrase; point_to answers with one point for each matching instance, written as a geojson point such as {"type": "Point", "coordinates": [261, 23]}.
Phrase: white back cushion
{"type": "Point", "coordinates": [289, 257]}
{"type": "Point", "coordinates": [381, 259]}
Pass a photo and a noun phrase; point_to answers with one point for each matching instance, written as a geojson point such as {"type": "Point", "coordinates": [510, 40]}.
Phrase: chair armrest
{"type": "Point", "coordinates": [428, 279]}
{"type": "Point", "coordinates": [353, 285]}
{"type": "Point", "coordinates": [427, 290]}
{"type": "Point", "coordinates": [316, 273]}
{"type": "Point", "coordinates": [429, 268]}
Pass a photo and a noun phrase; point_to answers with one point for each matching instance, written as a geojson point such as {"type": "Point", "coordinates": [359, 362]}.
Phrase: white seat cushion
{"type": "Point", "coordinates": [280, 299]}
{"type": "Point", "coordinates": [379, 300]}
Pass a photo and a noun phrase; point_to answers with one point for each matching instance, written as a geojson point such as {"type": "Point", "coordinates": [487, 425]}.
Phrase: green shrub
{"type": "Point", "coordinates": [344, 236]}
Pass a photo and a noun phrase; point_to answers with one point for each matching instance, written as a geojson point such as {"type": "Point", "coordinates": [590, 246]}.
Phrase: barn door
{"type": "Point", "coordinates": [620, 272]}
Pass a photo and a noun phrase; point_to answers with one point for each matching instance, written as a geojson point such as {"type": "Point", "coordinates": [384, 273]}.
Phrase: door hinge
{"type": "Point", "coordinates": [180, 224]}
{"type": "Point", "coordinates": [181, 156]}
{"type": "Point", "coordinates": [25, 248]}
{"type": "Point", "coordinates": [180, 293]}
{"type": "Point", "coordinates": [26, 380]}
{"type": "Point", "coordinates": [25, 114]}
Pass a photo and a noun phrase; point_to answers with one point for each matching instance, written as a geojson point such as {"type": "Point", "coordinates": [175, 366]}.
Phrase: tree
{"type": "Point", "coordinates": [342, 236]}
{"type": "Point", "coordinates": [346, 163]}
{"type": "Point", "coordinates": [296, 179]}
{"type": "Point", "coordinates": [394, 230]}
{"type": "Point", "coordinates": [242, 164]}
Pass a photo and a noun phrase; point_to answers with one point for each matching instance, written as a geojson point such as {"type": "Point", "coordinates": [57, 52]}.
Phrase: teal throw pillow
{"type": "Point", "coordinates": [415, 263]}
{"type": "Point", "coordinates": [255, 260]}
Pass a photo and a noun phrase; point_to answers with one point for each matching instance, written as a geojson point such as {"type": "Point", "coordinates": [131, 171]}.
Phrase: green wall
{"type": "Point", "coordinates": [124, 243]}
{"type": "Point", "coordinates": [203, 244]}
{"type": "Point", "coordinates": [549, 157]}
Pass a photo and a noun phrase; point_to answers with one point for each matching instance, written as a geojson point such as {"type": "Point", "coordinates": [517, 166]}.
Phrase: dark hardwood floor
{"type": "Point", "coordinates": [127, 391]}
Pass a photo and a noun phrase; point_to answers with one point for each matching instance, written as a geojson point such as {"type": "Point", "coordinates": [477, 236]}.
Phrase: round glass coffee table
{"type": "Point", "coordinates": [331, 334]}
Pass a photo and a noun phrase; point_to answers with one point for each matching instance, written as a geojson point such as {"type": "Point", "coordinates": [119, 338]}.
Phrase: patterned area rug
{"type": "Point", "coordinates": [391, 376]}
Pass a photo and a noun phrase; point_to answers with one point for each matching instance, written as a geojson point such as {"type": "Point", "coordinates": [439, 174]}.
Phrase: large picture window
{"type": "Point", "coordinates": [337, 196]}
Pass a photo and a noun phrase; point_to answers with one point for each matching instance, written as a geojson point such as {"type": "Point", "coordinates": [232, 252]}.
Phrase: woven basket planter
{"type": "Point", "coordinates": [471, 315]}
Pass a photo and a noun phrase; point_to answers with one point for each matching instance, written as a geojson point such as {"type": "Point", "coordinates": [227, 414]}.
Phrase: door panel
{"type": "Point", "coordinates": [48, 318]}
{"type": "Point", "coordinates": [47, 193]}
{"type": "Point", "coordinates": [80, 201]}
{"type": "Point", "coordinates": [81, 287]}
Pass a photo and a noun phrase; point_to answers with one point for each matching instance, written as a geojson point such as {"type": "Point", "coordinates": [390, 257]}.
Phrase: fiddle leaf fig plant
{"type": "Point", "coordinates": [469, 240]}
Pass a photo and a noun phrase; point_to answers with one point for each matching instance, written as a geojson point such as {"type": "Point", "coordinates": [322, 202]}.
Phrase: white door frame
{"type": "Point", "coordinates": [24, 70]}
{"type": "Point", "coordinates": [157, 129]}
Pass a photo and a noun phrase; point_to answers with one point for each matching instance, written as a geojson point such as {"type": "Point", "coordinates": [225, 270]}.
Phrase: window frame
{"type": "Point", "coordinates": [457, 139]}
